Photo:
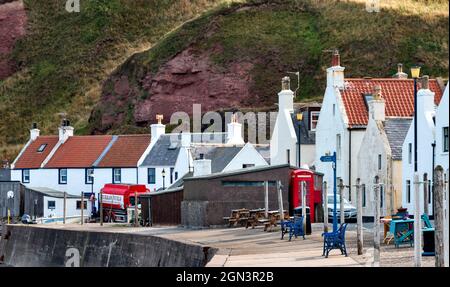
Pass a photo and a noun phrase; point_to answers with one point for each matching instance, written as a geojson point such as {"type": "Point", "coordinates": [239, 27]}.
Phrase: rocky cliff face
{"type": "Point", "coordinates": [12, 27]}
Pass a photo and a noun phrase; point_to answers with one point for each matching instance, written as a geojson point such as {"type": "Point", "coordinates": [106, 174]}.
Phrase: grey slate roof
{"type": "Point", "coordinates": [306, 136]}
{"type": "Point", "coordinates": [396, 130]}
{"type": "Point", "coordinates": [220, 156]}
{"type": "Point", "coordinates": [164, 152]}
{"type": "Point", "coordinates": [264, 151]}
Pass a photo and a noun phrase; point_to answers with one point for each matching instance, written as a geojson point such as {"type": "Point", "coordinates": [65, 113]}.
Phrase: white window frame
{"type": "Point", "coordinates": [313, 113]}
{"type": "Point", "coordinates": [25, 176]}
{"type": "Point", "coordinates": [115, 175]}
{"type": "Point", "coordinates": [62, 172]}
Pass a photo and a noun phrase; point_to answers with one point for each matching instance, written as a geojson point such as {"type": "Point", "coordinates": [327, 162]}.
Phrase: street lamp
{"type": "Point", "coordinates": [163, 173]}
{"type": "Point", "coordinates": [415, 73]}
{"type": "Point", "coordinates": [299, 119]}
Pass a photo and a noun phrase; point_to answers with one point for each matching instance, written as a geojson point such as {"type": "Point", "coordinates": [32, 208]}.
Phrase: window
{"type": "Point", "coordinates": [88, 174]}
{"type": "Point", "coordinates": [25, 176]}
{"type": "Point", "coordinates": [379, 162]}
{"type": "Point", "coordinates": [364, 195]}
{"type": "Point", "coordinates": [334, 110]}
{"type": "Point", "coordinates": [171, 174]}
{"type": "Point", "coordinates": [408, 191]}
{"type": "Point", "coordinates": [246, 165]}
{"type": "Point", "coordinates": [117, 175]}
{"type": "Point", "coordinates": [62, 175]}
{"type": "Point", "coordinates": [51, 204]}
{"type": "Point", "coordinates": [176, 175]}
{"type": "Point", "coordinates": [79, 204]}
{"type": "Point", "coordinates": [445, 139]}
{"type": "Point", "coordinates": [381, 196]}
{"type": "Point", "coordinates": [410, 153]}
{"type": "Point", "coordinates": [151, 175]}
{"type": "Point", "coordinates": [338, 146]}
{"type": "Point", "coordinates": [314, 120]}
{"type": "Point", "coordinates": [42, 148]}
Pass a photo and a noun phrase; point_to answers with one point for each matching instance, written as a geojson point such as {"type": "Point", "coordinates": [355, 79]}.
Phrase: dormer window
{"type": "Point", "coordinates": [42, 148]}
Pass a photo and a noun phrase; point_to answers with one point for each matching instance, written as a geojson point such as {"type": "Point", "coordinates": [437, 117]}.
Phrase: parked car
{"type": "Point", "coordinates": [349, 210]}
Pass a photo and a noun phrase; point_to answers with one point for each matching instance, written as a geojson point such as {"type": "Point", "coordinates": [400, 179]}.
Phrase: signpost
{"type": "Point", "coordinates": [332, 159]}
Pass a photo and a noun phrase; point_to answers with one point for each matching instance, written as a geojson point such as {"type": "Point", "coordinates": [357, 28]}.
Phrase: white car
{"type": "Point", "coordinates": [349, 210]}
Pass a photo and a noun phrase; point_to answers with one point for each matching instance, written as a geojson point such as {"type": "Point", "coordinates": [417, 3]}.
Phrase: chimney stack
{"type": "Point", "coordinates": [286, 96]}
{"type": "Point", "coordinates": [65, 131]}
{"type": "Point", "coordinates": [335, 73]}
{"type": "Point", "coordinates": [234, 135]}
{"type": "Point", "coordinates": [157, 129]}
{"type": "Point", "coordinates": [425, 82]}
{"type": "Point", "coordinates": [400, 74]}
{"type": "Point", "coordinates": [34, 132]}
{"type": "Point", "coordinates": [202, 166]}
{"type": "Point", "coordinates": [377, 106]}
{"type": "Point", "coordinates": [425, 97]}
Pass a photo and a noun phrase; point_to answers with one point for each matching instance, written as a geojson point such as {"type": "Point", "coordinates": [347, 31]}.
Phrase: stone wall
{"type": "Point", "coordinates": [40, 246]}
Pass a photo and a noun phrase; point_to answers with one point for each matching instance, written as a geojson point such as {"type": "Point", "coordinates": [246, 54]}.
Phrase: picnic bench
{"type": "Point", "coordinates": [238, 216]}
{"type": "Point", "coordinates": [273, 220]}
{"type": "Point", "coordinates": [255, 216]}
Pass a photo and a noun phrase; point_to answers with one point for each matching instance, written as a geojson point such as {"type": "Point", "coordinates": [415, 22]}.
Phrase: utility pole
{"type": "Point", "coordinates": [101, 207]}
{"type": "Point", "coordinates": [64, 207]}
{"type": "Point", "coordinates": [417, 223]}
{"type": "Point", "coordinates": [425, 193]}
{"type": "Point", "coordinates": [266, 199]}
{"type": "Point", "coordinates": [439, 216]}
{"type": "Point", "coordinates": [341, 197]}
{"type": "Point", "coordinates": [325, 206]}
{"type": "Point", "coordinates": [376, 235]}
{"type": "Point", "coordinates": [136, 223]}
{"type": "Point", "coordinates": [82, 208]}
{"type": "Point", "coordinates": [359, 234]}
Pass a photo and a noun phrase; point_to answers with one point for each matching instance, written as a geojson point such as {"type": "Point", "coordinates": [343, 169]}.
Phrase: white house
{"type": "Point", "coordinates": [344, 117]}
{"type": "Point", "coordinates": [442, 132]}
{"type": "Point", "coordinates": [172, 156]}
{"type": "Point", "coordinates": [427, 98]}
{"type": "Point", "coordinates": [381, 155]}
{"type": "Point", "coordinates": [76, 164]}
{"type": "Point", "coordinates": [293, 125]}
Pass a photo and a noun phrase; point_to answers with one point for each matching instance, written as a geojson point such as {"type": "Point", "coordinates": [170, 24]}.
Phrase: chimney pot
{"type": "Point", "coordinates": [286, 83]}
{"type": "Point", "coordinates": [34, 126]}
{"type": "Point", "coordinates": [377, 92]}
{"type": "Point", "coordinates": [202, 156]}
{"type": "Point", "coordinates": [400, 68]}
{"type": "Point", "coordinates": [336, 58]}
{"type": "Point", "coordinates": [425, 82]}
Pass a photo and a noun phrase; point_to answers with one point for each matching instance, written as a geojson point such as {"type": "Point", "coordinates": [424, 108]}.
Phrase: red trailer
{"type": "Point", "coordinates": [117, 198]}
{"type": "Point", "coordinates": [313, 191]}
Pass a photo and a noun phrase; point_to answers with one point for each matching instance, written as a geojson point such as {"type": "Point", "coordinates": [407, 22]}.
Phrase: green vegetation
{"type": "Point", "coordinates": [65, 57]}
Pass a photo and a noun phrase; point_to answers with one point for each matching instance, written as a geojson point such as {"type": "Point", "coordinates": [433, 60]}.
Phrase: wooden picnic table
{"type": "Point", "coordinates": [238, 216]}
{"type": "Point", "coordinates": [274, 218]}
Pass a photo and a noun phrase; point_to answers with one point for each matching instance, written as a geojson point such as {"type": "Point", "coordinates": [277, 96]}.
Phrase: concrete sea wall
{"type": "Point", "coordinates": [39, 246]}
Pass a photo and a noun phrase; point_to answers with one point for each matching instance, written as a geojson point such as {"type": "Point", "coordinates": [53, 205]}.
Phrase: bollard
{"type": "Point", "coordinates": [417, 223]}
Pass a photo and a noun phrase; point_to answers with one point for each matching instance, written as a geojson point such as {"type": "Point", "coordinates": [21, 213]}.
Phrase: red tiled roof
{"type": "Point", "coordinates": [398, 94]}
{"type": "Point", "coordinates": [126, 151]}
{"type": "Point", "coordinates": [31, 158]}
{"type": "Point", "coordinates": [79, 152]}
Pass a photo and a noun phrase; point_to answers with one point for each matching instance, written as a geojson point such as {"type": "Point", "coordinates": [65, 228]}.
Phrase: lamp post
{"type": "Point", "coordinates": [415, 73]}
{"type": "Point", "coordinates": [163, 173]}
{"type": "Point", "coordinates": [299, 120]}
{"type": "Point", "coordinates": [91, 175]}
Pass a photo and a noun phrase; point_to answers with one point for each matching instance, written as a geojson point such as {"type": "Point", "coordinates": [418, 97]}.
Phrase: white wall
{"type": "Point", "coordinates": [71, 207]}
{"type": "Point", "coordinates": [283, 139]}
{"type": "Point", "coordinates": [442, 113]}
{"type": "Point", "coordinates": [247, 155]}
{"type": "Point", "coordinates": [143, 177]}
{"type": "Point", "coordinates": [425, 130]}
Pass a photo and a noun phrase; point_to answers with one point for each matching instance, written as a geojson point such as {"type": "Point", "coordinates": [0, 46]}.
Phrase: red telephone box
{"type": "Point", "coordinates": [313, 191]}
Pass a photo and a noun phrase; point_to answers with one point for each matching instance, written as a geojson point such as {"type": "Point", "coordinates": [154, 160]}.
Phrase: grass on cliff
{"type": "Point", "coordinates": [290, 35]}
{"type": "Point", "coordinates": [65, 57]}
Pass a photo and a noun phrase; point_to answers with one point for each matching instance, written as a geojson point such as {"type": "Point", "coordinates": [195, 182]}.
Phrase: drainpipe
{"type": "Point", "coordinates": [137, 175]}
{"type": "Point", "coordinates": [350, 165]}
{"type": "Point", "coordinates": [431, 187]}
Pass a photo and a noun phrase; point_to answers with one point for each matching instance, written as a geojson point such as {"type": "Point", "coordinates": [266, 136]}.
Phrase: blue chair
{"type": "Point", "coordinates": [293, 227]}
{"type": "Point", "coordinates": [335, 240]}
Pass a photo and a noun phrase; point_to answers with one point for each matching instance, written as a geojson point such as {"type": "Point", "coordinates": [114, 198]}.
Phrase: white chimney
{"type": "Point", "coordinates": [157, 129]}
{"type": "Point", "coordinates": [185, 139]}
{"type": "Point", "coordinates": [34, 132]}
{"type": "Point", "coordinates": [286, 96]}
{"type": "Point", "coordinates": [377, 106]}
{"type": "Point", "coordinates": [65, 131]}
{"type": "Point", "coordinates": [234, 135]}
{"type": "Point", "coordinates": [335, 74]}
{"type": "Point", "coordinates": [400, 74]}
{"type": "Point", "coordinates": [425, 97]}
{"type": "Point", "coordinates": [202, 166]}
